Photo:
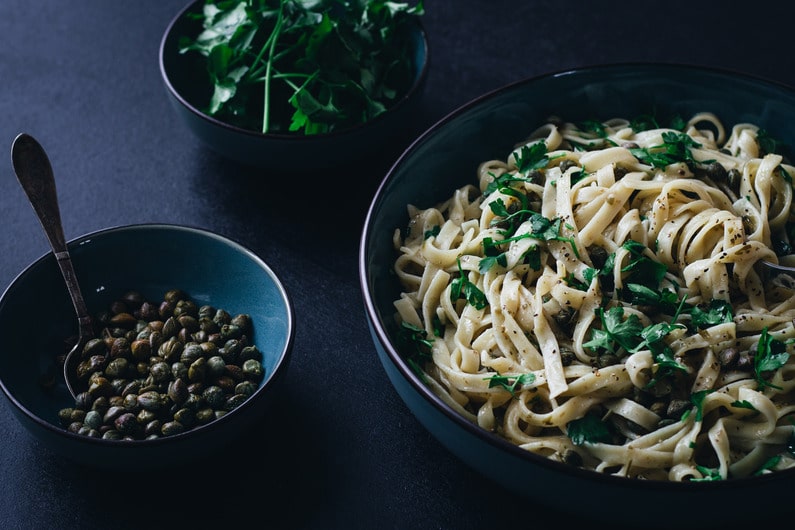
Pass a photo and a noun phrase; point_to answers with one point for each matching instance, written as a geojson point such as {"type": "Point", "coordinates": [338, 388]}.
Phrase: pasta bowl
{"type": "Point", "coordinates": [163, 306]}
{"type": "Point", "coordinates": [243, 135]}
{"type": "Point", "coordinates": [562, 283]}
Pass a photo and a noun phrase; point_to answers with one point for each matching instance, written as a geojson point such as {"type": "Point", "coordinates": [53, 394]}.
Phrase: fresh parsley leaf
{"type": "Point", "coordinates": [510, 383]}
{"type": "Point", "coordinates": [588, 429]}
{"type": "Point", "coordinates": [675, 148]}
{"type": "Point", "coordinates": [714, 313]}
{"type": "Point", "coordinates": [616, 332]}
{"type": "Point", "coordinates": [708, 474]}
{"type": "Point", "coordinates": [461, 287]}
{"type": "Point", "coordinates": [770, 355]}
{"type": "Point", "coordinates": [532, 156]}
{"type": "Point", "coordinates": [434, 231]}
{"type": "Point", "coordinates": [415, 344]}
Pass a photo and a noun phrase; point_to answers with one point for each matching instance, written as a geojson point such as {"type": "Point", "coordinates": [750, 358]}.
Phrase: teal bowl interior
{"type": "Point", "coordinates": [36, 317]}
{"type": "Point", "coordinates": [446, 157]}
{"type": "Point", "coordinates": [188, 90]}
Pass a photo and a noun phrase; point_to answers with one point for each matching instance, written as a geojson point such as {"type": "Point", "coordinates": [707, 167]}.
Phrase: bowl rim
{"type": "Point", "coordinates": [277, 374]}
{"type": "Point", "coordinates": [404, 101]}
{"type": "Point", "coordinates": [422, 390]}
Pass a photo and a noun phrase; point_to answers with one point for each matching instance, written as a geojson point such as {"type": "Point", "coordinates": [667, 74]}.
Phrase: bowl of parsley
{"type": "Point", "coordinates": [298, 86]}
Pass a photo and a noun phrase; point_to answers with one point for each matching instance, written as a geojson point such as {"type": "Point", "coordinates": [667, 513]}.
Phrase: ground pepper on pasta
{"type": "Point", "coordinates": [596, 298]}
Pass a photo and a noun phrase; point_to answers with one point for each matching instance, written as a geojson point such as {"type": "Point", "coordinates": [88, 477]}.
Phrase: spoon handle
{"type": "Point", "coordinates": [34, 172]}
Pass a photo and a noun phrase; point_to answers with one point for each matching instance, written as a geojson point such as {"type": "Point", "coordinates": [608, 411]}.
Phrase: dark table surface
{"type": "Point", "coordinates": [340, 450]}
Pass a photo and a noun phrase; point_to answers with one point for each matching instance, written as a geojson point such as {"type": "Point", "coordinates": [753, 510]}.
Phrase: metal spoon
{"type": "Point", "coordinates": [34, 173]}
{"type": "Point", "coordinates": [779, 269]}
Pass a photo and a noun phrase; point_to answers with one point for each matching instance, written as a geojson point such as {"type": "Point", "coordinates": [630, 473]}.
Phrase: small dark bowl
{"type": "Point", "coordinates": [188, 90]}
{"type": "Point", "coordinates": [487, 128]}
{"type": "Point", "coordinates": [36, 316]}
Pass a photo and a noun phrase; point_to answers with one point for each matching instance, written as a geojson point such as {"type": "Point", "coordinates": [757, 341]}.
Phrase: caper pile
{"type": "Point", "coordinates": [156, 370]}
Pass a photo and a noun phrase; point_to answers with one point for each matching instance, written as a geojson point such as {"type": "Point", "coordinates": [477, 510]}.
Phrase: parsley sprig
{"type": "Point", "coordinates": [510, 382]}
{"type": "Point", "coordinates": [461, 287]}
{"type": "Point", "coordinates": [676, 147]}
{"type": "Point", "coordinates": [771, 354]}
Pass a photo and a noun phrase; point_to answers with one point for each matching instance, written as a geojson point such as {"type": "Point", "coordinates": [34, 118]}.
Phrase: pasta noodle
{"type": "Point", "coordinates": [596, 298]}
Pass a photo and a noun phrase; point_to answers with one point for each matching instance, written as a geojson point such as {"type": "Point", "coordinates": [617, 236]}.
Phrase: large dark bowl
{"type": "Point", "coordinates": [36, 318]}
{"type": "Point", "coordinates": [445, 158]}
{"type": "Point", "coordinates": [189, 91]}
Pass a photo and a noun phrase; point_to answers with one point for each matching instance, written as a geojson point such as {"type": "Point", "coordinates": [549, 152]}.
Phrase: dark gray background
{"type": "Point", "coordinates": [341, 450]}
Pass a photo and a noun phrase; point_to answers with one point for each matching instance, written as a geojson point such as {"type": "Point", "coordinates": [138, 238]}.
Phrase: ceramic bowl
{"type": "Point", "coordinates": [188, 91]}
{"type": "Point", "coordinates": [37, 317]}
{"type": "Point", "coordinates": [489, 127]}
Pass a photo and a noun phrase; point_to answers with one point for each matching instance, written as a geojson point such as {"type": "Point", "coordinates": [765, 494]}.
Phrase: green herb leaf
{"type": "Point", "coordinates": [510, 383]}
{"type": "Point", "coordinates": [588, 429]}
{"type": "Point", "coordinates": [461, 287]}
{"type": "Point", "coordinates": [770, 355]}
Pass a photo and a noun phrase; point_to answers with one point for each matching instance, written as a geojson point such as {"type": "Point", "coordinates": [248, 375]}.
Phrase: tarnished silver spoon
{"type": "Point", "coordinates": [34, 173]}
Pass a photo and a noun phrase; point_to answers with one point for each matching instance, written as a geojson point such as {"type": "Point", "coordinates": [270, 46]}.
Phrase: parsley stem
{"type": "Point", "coordinates": [267, 92]}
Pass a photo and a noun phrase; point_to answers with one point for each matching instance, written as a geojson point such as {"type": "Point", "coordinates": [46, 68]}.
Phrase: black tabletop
{"type": "Point", "coordinates": [340, 450]}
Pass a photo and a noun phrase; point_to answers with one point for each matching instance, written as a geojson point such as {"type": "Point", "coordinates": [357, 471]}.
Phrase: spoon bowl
{"type": "Point", "coordinates": [34, 172]}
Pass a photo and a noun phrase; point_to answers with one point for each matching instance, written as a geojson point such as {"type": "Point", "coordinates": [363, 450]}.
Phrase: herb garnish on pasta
{"type": "Point", "coordinates": [596, 298]}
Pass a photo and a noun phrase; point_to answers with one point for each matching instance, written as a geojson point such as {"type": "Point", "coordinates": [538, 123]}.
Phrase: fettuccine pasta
{"type": "Point", "coordinates": [597, 298]}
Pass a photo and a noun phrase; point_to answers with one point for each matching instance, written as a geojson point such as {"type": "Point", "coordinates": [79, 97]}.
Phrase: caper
{"type": "Point", "coordinates": [120, 347]}
{"type": "Point", "coordinates": [145, 417]}
{"type": "Point", "coordinates": [250, 352]}
{"type": "Point", "coordinates": [190, 353]}
{"type": "Point", "coordinates": [94, 346]}
{"type": "Point", "coordinates": [123, 320]}
{"type": "Point", "coordinates": [185, 307]}
{"type": "Point", "coordinates": [171, 349]}
{"type": "Point", "coordinates": [197, 370]}
{"type": "Point", "coordinates": [141, 349]}
{"type": "Point", "coordinates": [231, 331]}
{"type": "Point", "coordinates": [206, 311]}
{"type": "Point", "coordinates": [234, 401]}
{"type": "Point", "coordinates": [131, 402]}
{"type": "Point", "coordinates": [214, 396]}
{"type": "Point", "coordinates": [171, 428]}
{"type": "Point", "coordinates": [208, 324]}
{"type": "Point", "coordinates": [185, 416]}
{"type": "Point", "coordinates": [113, 413]}
{"type": "Point", "coordinates": [153, 427]}
{"type": "Point", "coordinates": [100, 387]}
{"type": "Point", "coordinates": [205, 415]}
{"type": "Point", "coordinates": [178, 391]}
{"type": "Point", "coordinates": [188, 322]}
{"type": "Point", "coordinates": [117, 367]}
{"type": "Point", "coordinates": [174, 295]}
{"type": "Point", "coordinates": [161, 372]}
{"type": "Point", "coordinates": [246, 388]}
{"type": "Point", "coordinates": [226, 383]}
{"type": "Point", "coordinates": [216, 366]}
{"type": "Point", "coordinates": [179, 370]}
{"type": "Point", "coordinates": [221, 317]}
{"type": "Point", "coordinates": [253, 370]}
{"type": "Point", "coordinates": [231, 350]}
{"type": "Point", "coordinates": [93, 419]}
{"type": "Point", "coordinates": [150, 400]}
{"type": "Point", "coordinates": [126, 423]}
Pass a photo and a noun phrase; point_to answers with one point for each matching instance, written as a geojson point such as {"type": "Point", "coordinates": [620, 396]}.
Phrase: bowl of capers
{"type": "Point", "coordinates": [192, 336]}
